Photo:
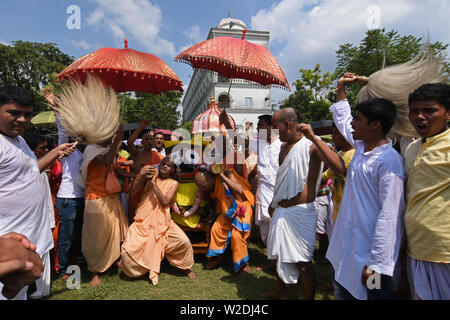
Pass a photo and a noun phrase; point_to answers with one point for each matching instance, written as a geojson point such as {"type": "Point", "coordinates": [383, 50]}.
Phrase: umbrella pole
{"type": "Point", "coordinates": [123, 98]}
{"type": "Point", "coordinates": [228, 94]}
{"type": "Point", "coordinates": [123, 107]}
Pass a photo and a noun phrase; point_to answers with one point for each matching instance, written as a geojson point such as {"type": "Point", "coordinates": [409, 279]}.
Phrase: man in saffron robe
{"type": "Point", "coordinates": [104, 223]}
{"type": "Point", "coordinates": [233, 225]}
{"type": "Point", "coordinates": [154, 235]}
{"type": "Point", "coordinates": [141, 157]}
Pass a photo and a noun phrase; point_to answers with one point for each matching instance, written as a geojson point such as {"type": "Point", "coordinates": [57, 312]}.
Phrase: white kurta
{"type": "Point", "coordinates": [48, 196]}
{"type": "Point", "coordinates": [369, 229]}
{"type": "Point", "coordinates": [267, 173]}
{"type": "Point", "coordinates": [23, 202]}
{"type": "Point", "coordinates": [292, 230]}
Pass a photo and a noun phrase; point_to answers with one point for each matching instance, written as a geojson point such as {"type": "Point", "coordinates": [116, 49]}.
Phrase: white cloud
{"type": "Point", "coordinates": [310, 31]}
{"type": "Point", "coordinates": [95, 17]}
{"type": "Point", "coordinates": [139, 19]}
{"type": "Point", "coordinates": [4, 42]}
{"type": "Point", "coordinates": [194, 35]}
{"type": "Point", "coordinates": [82, 44]}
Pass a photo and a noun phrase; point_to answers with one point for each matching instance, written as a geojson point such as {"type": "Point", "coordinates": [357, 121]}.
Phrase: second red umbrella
{"type": "Point", "coordinates": [235, 58]}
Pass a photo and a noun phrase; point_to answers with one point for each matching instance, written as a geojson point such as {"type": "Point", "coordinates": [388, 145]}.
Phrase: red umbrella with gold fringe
{"type": "Point", "coordinates": [235, 58]}
{"type": "Point", "coordinates": [125, 70]}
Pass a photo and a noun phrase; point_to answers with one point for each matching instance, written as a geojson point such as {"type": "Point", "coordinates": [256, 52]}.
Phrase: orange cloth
{"type": "Point", "coordinates": [237, 159]}
{"type": "Point", "coordinates": [135, 199]}
{"type": "Point", "coordinates": [104, 222]}
{"type": "Point", "coordinates": [153, 236]}
{"type": "Point", "coordinates": [96, 181]}
{"type": "Point", "coordinates": [104, 228]}
{"type": "Point", "coordinates": [55, 182]}
{"type": "Point", "coordinates": [224, 202]}
{"type": "Point", "coordinates": [55, 233]}
{"type": "Point", "coordinates": [155, 158]}
{"type": "Point", "coordinates": [125, 181]}
{"type": "Point", "coordinates": [229, 227]}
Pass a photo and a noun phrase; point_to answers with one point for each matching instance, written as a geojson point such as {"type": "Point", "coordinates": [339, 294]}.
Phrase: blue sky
{"type": "Point", "coordinates": [302, 32]}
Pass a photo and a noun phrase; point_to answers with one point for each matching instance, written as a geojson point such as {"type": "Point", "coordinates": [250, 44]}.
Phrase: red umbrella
{"type": "Point", "coordinates": [125, 70]}
{"type": "Point", "coordinates": [235, 58]}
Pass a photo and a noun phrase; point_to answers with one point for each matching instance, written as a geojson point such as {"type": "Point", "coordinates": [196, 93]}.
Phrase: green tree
{"type": "Point", "coordinates": [378, 49]}
{"type": "Point", "coordinates": [187, 125]}
{"type": "Point", "coordinates": [31, 65]}
{"type": "Point", "coordinates": [313, 94]}
{"type": "Point", "coordinates": [161, 109]}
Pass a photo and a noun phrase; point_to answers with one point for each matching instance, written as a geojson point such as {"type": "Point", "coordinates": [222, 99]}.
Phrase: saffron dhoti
{"type": "Point", "coordinates": [233, 225]}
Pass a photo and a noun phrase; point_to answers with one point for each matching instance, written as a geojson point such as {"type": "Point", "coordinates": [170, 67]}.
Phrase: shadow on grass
{"type": "Point", "coordinates": [250, 286]}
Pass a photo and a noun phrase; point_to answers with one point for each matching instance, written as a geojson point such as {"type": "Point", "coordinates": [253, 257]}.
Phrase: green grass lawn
{"type": "Point", "coordinates": [217, 284]}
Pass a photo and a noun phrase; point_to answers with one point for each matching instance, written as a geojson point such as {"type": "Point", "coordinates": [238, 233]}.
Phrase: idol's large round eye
{"type": "Point", "coordinates": [177, 157]}
{"type": "Point", "coordinates": [192, 156]}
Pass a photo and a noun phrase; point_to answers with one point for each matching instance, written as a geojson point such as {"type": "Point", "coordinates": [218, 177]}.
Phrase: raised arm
{"type": "Point", "coordinates": [341, 109]}
{"type": "Point", "coordinates": [141, 179]}
{"type": "Point", "coordinates": [167, 197]}
{"type": "Point", "coordinates": [223, 119]}
{"type": "Point", "coordinates": [51, 97]}
{"type": "Point", "coordinates": [130, 142]}
{"type": "Point", "coordinates": [231, 181]}
{"type": "Point", "coordinates": [324, 153]}
{"type": "Point", "coordinates": [108, 158]}
{"type": "Point", "coordinates": [62, 135]}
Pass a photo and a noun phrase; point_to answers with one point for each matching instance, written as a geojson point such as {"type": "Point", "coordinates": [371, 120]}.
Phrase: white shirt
{"type": "Point", "coordinates": [369, 228]}
{"type": "Point", "coordinates": [163, 151]}
{"type": "Point", "coordinates": [267, 170]}
{"type": "Point", "coordinates": [23, 205]}
{"type": "Point", "coordinates": [70, 168]}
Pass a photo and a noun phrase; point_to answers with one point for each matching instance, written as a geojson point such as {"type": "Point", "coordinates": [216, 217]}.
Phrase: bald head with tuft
{"type": "Point", "coordinates": [285, 121]}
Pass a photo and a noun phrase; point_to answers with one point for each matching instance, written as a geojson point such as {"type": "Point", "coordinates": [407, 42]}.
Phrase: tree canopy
{"type": "Point", "coordinates": [34, 65]}
{"type": "Point", "coordinates": [313, 94]}
{"type": "Point", "coordinates": [378, 49]}
{"type": "Point", "coordinates": [31, 65]}
{"type": "Point", "coordinates": [161, 109]}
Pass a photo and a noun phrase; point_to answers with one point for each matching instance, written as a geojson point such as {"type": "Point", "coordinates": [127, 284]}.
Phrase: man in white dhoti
{"type": "Point", "coordinates": [268, 152]}
{"type": "Point", "coordinates": [23, 202]}
{"type": "Point", "coordinates": [292, 230]}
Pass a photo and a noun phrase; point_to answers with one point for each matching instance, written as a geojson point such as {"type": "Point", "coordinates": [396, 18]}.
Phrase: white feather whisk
{"type": "Point", "coordinates": [89, 111]}
{"type": "Point", "coordinates": [397, 82]}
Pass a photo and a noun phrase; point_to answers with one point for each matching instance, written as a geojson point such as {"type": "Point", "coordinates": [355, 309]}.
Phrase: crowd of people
{"type": "Point", "coordinates": [377, 212]}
